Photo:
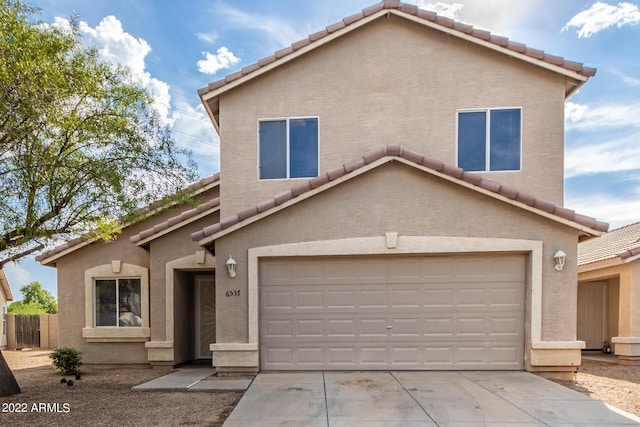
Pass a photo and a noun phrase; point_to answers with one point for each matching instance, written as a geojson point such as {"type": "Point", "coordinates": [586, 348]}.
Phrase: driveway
{"type": "Point", "coordinates": [417, 399]}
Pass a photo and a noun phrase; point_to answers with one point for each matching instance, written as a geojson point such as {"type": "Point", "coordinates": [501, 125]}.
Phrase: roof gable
{"type": "Point", "coordinates": [575, 71]}
{"type": "Point", "coordinates": [4, 285]}
{"type": "Point", "coordinates": [585, 225]}
{"type": "Point", "coordinates": [622, 243]}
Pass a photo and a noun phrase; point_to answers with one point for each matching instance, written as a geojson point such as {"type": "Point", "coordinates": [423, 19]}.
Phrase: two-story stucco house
{"type": "Point", "coordinates": [390, 197]}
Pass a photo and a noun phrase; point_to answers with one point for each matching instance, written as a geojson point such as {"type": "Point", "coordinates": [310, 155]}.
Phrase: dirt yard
{"type": "Point", "coordinates": [103, 398]}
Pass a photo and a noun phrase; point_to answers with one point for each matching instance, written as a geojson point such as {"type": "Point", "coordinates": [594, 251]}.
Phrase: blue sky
{"type": "Point", "coordinates": [177, 47]}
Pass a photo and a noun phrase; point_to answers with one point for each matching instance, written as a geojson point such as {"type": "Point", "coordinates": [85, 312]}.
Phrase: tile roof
{"type": "Point", "coordinates": [396, 151]}
{"type": "Point", "coordinates": [623, 242]}
{"type": "Point", "coordinates": [413, 11]}
{"type": "Point", "coordinates": [78, 242]}
{"type": "Point", "coordinates": [183, 217]}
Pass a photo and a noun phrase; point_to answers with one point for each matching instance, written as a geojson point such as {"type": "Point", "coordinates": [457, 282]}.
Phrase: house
{"type": "Point", "coordinates": [5, 297]}
{"type": "Point", "coordinates": [608, 292]}
{"type": "Point", "coordinates": [390, 197]}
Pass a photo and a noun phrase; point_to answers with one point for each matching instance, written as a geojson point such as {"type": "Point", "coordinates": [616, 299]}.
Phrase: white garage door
{"type": "Point", "coordinates": [454, 312]}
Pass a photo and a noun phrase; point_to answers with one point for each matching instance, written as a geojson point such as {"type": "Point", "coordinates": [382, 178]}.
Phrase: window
{"type": "Point", "coordinates": [116, 298]}
{"type": "Point", "coordinates": [288, 148]}
{"type": "Point", "coordinates": [117, 302]}
{"type": "Point", "coordinates": [489, 140]}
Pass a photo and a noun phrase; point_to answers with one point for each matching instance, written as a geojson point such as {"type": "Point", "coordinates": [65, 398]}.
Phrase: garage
{"type": "Point", "coordinates": [401, 313]}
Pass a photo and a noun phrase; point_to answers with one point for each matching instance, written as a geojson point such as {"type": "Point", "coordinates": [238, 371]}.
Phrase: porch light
{"type": "Point", "coordinates": [560, 258]}
{"type": "Point", "coordinates": [231, 266]}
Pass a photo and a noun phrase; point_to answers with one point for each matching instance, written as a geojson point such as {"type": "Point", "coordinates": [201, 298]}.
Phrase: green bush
{"type": "Point", "coordinates": [67, 360]}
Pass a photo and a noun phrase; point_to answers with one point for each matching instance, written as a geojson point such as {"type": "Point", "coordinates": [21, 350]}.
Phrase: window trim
{"type": "Point", "coordinates": [115, 270]}
{"type": "Point", "coordinates": [287, 120]}
{"type": "Point", "coordinates": [487, 139]}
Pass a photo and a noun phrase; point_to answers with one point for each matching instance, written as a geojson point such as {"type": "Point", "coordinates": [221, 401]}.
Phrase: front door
{"type": "Point", "coordinates": [205, 316]}
{"type": "Point", "coordinates": [591, 314]}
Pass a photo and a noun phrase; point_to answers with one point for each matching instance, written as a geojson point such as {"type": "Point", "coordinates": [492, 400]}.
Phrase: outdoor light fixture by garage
{"type": "Point", "coordinates": [231, 266]}
{"type": "Point", "coordinates": [560, 258]}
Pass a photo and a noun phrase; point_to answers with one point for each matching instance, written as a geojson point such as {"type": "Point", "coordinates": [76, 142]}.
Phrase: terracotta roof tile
{"type": "Point", "coordinates": [623, 242]}
{"type": "Point", "coordinates": [410, 10]}
{"type": "Point", "coordinates": [174, 220]}
{"type": "Point", "coordinates": [353, 18]}
{"type": "Point", "coordinates": [372, 9]}
{"type": "Point", "coordinates": [283, 197]}
{"type": "Point", "coordinates": [335, 27]}
{"type": "Point", "coordinates": [397, 151]}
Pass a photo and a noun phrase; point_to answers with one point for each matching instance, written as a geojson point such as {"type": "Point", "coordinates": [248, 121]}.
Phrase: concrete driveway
{"type": "Point", "coordinates": [417, 399]}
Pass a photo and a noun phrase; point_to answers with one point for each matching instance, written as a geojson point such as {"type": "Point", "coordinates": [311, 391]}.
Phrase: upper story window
{"type": "Point", "coordinates": [117, 302]}
{"type": "Point", "coordinates": [288, 148]}
{"type": "Point", "coordinates": [490, 139]}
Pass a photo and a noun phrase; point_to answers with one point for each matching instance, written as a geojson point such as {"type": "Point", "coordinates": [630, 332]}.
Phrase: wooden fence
{"type": "Point", "coordinates": [32, 331]}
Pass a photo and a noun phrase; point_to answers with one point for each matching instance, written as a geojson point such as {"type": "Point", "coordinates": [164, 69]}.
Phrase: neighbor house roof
{"type": "Point", "coordinates": [586, 225]}
{"type": "Point", "coordinates": [79, 242]}
{"type": "Point", "coordinates": [4, 285]}
{"type": "Point", "coordinates": [623, 243]}
{"type": "Point", "coordinates": [574, 70]}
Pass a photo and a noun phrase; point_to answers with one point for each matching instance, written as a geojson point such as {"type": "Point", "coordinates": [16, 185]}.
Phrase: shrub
{"type": "Point", "coordinates": [67, 360]}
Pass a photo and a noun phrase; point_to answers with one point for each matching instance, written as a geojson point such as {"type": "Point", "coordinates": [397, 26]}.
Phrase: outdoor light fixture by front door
{"type": "Point", "coordinates": [560, 258]}
{"type": "Point", "coordinates": [231, 266]}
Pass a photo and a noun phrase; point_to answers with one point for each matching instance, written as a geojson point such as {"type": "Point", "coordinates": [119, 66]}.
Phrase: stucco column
{"type": "Point", "coordinates": [627, 343]}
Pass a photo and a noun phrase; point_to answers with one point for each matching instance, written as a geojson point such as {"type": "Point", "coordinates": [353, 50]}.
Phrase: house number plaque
{"type": "Point", "coordinates": [232, 293]}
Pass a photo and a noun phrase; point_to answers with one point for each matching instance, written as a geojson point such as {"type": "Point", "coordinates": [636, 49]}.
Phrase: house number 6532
{"type": "Point", "coordinates": [233, 293]}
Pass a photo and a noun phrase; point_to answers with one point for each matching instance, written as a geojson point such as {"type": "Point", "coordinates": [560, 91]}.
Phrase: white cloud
{"type": "Point", "coordinates": [221, 60]}
{"type": "Point", "coordinates": [275, 28]}
{"type": "Point", "coordinates": [209, 37]}
{"type": "Point", "coordinates": [612, 156]}
{"type": "Point", "coordinates": [574, 112]}
{"type": "Point", "coordinates": [630, 80]}
{"type": "Point", "coordinates": [450, 10]}
{"type": "Point", "coordinates": [119, 47]}
{"type": "Point", "coordinates": [615, 210]}
{"type": "Point", "coordinates": [585, 118]}
{"type": "Point", "coordinates": [601, 16]}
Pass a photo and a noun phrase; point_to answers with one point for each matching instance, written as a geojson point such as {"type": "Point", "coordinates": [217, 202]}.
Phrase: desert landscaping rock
{"type": "Point", "coordinates": [104, 398]}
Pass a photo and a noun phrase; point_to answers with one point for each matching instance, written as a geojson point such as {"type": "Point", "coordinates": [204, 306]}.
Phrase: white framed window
{"type": "Point", "coordinates": [489, 139]}
{"type": "Point", "coordinates": [288, 148]}
{"type": "Point", "coordinates": [117, 302]}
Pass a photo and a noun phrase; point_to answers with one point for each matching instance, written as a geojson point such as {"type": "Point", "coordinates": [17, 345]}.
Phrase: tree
{"type": "Point", "coordinates": [81, 148]}
{"type": "Point", "coordinates": [80, 144]}
{"type": "Point", "coordinates": [35, 300]}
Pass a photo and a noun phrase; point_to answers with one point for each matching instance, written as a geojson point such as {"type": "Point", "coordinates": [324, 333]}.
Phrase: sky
{"type": "Point", "coordinates": [176, 47]}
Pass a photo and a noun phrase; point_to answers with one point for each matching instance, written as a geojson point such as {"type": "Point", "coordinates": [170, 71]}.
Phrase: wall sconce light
{"type": "Point", "coordinates": [560, 258]}
{"type": "Point", "coordinates": [231, 266]}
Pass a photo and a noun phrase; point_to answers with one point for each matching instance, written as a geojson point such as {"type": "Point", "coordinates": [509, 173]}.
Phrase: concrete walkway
{"type": "Point", "coordinates": [194, 379]}
{"type": "Point", "coordinates": [417, 399]}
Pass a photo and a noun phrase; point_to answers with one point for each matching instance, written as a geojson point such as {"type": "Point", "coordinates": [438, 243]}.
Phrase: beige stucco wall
{"type": "Point", "coordinates": [399, 198]}
{"type": "Point", "coordinates": [393, 81]}
{"type": "Point", "coordinates": [71, 285]}
{"type": "Point", "coordinates": [3, 322]}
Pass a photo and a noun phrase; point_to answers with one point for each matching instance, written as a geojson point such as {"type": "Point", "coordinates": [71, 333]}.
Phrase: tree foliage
{"type": "Point", "coordinates": [80, 144]}
{"type": "Point", "coordinates": [35, 300]}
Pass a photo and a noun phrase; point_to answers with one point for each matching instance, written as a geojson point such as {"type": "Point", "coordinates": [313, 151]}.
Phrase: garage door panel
{"type": "Point", "coordinates": [425, 313]}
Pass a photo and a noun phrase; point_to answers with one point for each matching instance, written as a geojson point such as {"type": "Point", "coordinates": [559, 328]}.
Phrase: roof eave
{"type": "Point", "coordinates": [177, 226]}
{"type": "Point", "coordinates": [5, 285]}
{"type": "Point", "coordinates": [582, 229]}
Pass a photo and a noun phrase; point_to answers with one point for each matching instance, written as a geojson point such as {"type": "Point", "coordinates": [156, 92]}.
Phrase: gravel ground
{"type": "Point", "coordinates": [611, 383]}
{"type": "Point", "coordinates": [103, 398]}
